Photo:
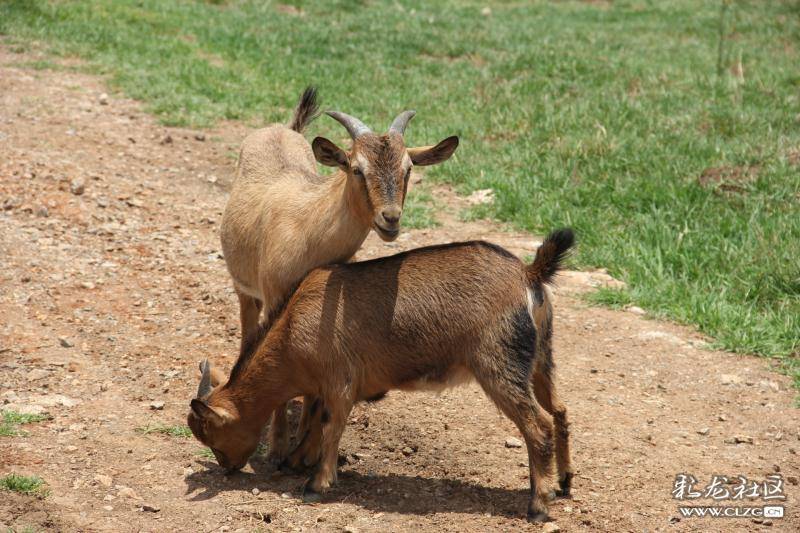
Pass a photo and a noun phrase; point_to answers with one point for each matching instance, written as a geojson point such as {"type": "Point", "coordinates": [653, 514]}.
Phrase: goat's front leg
{"type": "Point", "coordinates": [278, 436]}
{"type": "Point", "coordinates": [249, 311]}
{"type": "Point", "coordinates": [308, 432]}
{"type": "Point", "coordinates": [334, 417]}
{"type": "Point", "coordinates": [307, 451]}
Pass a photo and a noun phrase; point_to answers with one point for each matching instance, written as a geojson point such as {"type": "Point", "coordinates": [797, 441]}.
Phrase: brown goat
{"type": "Point", "coordinates": [284, 219]}
{"type": "Point", "coordinates": [426, 318]}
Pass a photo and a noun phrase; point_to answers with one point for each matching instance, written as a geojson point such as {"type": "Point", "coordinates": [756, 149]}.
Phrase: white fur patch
{"type": "Point", "coordinates": [529, 300]}
{"type": "Point", "coordinates": [459, 376]}
{"type": "Point", "coordinates": [363, 164]}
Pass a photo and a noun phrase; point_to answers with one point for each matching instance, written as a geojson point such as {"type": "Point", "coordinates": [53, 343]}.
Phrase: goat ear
{"type": "Point", "coordinates": [204, 411]}
{"type": "Point", "coordinates": [433, 155]}
{"type": "Point", "coordinates": [217, 377]}
{"type": "Point", "coordinates": [327, 153]}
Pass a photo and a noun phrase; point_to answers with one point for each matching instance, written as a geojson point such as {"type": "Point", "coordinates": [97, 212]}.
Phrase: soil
{"type": "Point", "coordinates": [113, 287]}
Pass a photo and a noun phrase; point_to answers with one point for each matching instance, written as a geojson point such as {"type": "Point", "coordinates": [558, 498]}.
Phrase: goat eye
{"type": "Point", "coordinates": [357, 172]}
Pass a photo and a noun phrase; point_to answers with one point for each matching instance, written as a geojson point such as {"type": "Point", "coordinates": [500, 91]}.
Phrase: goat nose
{"type": "Point", "coordinates": [391, 215]}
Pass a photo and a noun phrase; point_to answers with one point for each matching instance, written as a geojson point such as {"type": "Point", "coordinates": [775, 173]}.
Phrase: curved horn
{"type": "Point", "coordinates": [205, 379]}
{"type": "Point", "coordinates": [399, 124]}
{"type": "Point", "coordinates": [354, 127]}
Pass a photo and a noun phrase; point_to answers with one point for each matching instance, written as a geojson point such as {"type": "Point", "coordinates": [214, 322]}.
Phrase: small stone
{"type": "Point", "coordinates": [792, 480]}
{"type": "Point", "coordinates": [730, 379]}
{"type": "Point", "coordinates": [77, 187]}
{"type": "Point", "coordinates": [486, 11]}
{"type": "Point", "coordinates": [255, 491]}
{"type": "Point", "coordinates": [636, 310]}
{"type": "Point", "coordinates": [200, 136]}
{"type": "Point", "coordinates": [43, 212]}
{"type": "Point", "coordinates": [550, 527]}
{"type": "Point", "coordinates": [103, 479]}
{"type": "Point", "coordinates": [149, 508]}
{"type": "Point", "coordinates": [703, 431]}
{"type": "Point", "coordinates": [349, 529]}
{"type": "Point", "coordinates": [108, 508]}
{"type": "Point", "coordinates": [156, 406]}
{"type": "Point", "coordinates": [103, 99]}
{"type": "Point", "coordinates": [128, 492]}
{"type": "Point", "coordinates": [739, 439]}
{"type": "Point", "coordinates": [65, 342]}
{"type": "Point", "coordinates": [722, 418]}
{"type": "Point", "coordinates": [286, 495]}
{"type": "Point", "coordinates": [167, 139]}
{"type": "Point", "coordinates": [37, 373]}
{"type": "Point", "coordinates": [70, 449]}
{"type": "Point", "coordinates": [407, 451]}
{"type": "Point", "coordinates": [513, 442]}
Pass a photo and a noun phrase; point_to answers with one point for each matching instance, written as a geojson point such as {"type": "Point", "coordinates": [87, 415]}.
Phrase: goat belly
{"type": "Point", "coordinates": [438, 381]}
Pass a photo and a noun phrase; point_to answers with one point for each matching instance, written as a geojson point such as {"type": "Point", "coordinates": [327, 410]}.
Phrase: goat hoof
{"type": "Point", "coordinates": [311, 496]}
{"type": "Point", "coordinates": [538, 517]}
{"type": "Point", "coordinates": [276, 459]}
{"type": "Point", "coordinates": [562, 493]}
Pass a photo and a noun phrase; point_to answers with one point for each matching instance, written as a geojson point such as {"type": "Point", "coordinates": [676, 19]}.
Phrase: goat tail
{"type": "Point", "coordinates": [307, 110]}
{"type": "Point", "coordinates": [550, 256]}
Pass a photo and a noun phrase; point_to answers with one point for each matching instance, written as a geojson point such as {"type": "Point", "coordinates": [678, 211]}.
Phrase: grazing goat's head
{"type": "Point", "coordinates": [381, 164]}
{"type": "Point", "coordinates": [219, 426]}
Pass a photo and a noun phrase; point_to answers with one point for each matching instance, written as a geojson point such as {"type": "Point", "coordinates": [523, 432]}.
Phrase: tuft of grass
{"type": "Point", "coordinates": [171, 431]}
{"type": "Point", "coordinates": [662, 132]}
{"type": "Point", "coordinates": [419, 211]}
{"type": "Point", "coordinates": [205, 452]}
{"type": "Point", "coordinates": [30, 485]}
{"type": "Point", "coordinates": [614, 298]}
{"type": "Point", "coordinates": [11, 420]}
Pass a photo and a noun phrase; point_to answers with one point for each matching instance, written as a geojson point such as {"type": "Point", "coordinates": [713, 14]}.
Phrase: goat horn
{"type": "Point", "coordinates": [354, 127]}
{"type": "Point", "coordinates": [205, 379]}
{"type": "Point", "coordinates": [399, 124]}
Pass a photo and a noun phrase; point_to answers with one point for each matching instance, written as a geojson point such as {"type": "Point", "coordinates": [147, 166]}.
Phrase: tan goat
{"type": "Point", "coordinates": [284, 219]}
{"type": "Point", "coordinates": [427, 318]}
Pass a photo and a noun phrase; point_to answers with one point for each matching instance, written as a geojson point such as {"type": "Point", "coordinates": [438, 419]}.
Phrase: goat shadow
{"type": "Point", "coordinates": [395, 493]}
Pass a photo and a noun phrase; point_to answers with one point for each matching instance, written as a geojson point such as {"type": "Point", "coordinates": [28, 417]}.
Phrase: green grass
{"type": "Point", "coordinates": [419, 210]}
{"type": "Point", "coordinates": [23, 484]}
{"type": "Point", "coordinates": [171, 431]}
{"type": "Point", "coordinates": [206, 453]}
{"type": "Point", "coordinates": [11, 420]}
{"type": "Point", "coordinates": [603, 117]}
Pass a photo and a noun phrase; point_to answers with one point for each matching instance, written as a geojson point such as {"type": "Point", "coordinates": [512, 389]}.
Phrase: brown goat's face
{"type": "Point", "coordinates": [230, 439]}
{"type": "Point", "coordinates": [381, 166]}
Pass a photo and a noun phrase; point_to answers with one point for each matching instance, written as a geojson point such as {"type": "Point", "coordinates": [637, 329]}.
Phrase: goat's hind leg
{"type": "Point", "coordinates": [516, 400]}
{"type": "Point", "coordinates": [546, 394]}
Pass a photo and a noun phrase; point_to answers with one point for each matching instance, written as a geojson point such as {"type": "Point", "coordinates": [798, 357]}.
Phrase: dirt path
{"type": "Point", "coordinates": [110, 297]}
